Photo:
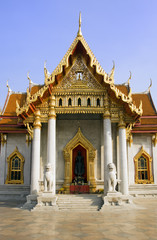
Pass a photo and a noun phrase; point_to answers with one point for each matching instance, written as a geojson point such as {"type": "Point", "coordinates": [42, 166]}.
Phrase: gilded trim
{"type": "Point", "coordinates": [79, 139]}
{"type": "Point", "coordinates": [122, 123]}
{"type": "Point", "coordinates": [37, 123]}
{"type": "Point", "coordinates": [3, 138]}
{"type": "Point", "coordinates": [149, 167]}
{"type": "Point", "coordinates": [52, 113]}
{"type": "Point", "coordinates": [9, 161]}
{"type": "Point", "coordinates": [108, 79]}
{"type": "Point", "coordinates": [154, 139]}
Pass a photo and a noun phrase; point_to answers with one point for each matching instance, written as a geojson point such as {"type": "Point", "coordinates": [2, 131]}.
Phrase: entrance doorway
{"type": "Point", "coordinates": [82, 151]}
{"type": "Point", "coordinates": [79, 143]}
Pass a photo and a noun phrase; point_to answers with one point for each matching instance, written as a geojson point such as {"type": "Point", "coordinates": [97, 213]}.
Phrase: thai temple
{"type": "Point", "coordinates": [74, 125]}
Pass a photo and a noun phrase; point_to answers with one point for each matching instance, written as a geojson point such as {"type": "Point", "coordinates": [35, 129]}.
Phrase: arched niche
{"type": "Point", "coordinates": [143, 167]}
{"type": "Point", "coordinates": [79, 139]}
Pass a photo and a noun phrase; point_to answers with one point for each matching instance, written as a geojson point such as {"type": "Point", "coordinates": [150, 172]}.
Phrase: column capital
{"type": "Point", "coordinates": [37, 123]}
{"type": "Point", "coordinates": [122, 123]}
{"type": "Point", "coordinates": [52, 112]}
{"type": "Point", "coordinates": [106, 113]}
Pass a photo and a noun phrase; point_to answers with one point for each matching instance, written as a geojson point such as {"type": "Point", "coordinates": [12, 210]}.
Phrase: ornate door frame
{"type": "Point", "coordinates": [79, 139]}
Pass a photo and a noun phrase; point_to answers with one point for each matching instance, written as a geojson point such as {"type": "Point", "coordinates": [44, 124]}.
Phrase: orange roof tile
{"type": "Point", "coordinates": [35, 89]}
{"type": "Point", "coordinates": [10, 109]}
{"type": "Point", "coordinates": [147, 105]}
{"type": "Point", "coordinates": [123, 89]}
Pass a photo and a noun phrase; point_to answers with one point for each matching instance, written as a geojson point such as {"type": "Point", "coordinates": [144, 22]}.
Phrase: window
{"type": "Point", "coordinates": [79, 102]}
{"type": "Point", "coordinates": [69, 102]}
{"type": "Point", "coordinates": [98, 102]}
{"type": "Point", "coordinates": [88, 102]}
{"type": "Point", "coordinates": [60, 102]}
{"type": "Point", "coordinates": [143, 167]}
{"type": "Point", "coordinates": [79, 75]}
{"type": "Point", "coordinates": [15, 168]}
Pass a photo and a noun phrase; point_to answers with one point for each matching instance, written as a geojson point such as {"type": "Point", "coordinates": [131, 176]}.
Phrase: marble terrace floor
{"type": "Point", "coordinates": [136, 222]}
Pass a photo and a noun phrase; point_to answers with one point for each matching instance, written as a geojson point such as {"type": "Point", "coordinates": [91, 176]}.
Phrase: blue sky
{"type": "Point", "coordinates": [33, 31]}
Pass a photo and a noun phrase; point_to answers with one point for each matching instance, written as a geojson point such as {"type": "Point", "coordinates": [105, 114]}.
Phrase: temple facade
{"type": "Point", "coordinates": [78, 122]}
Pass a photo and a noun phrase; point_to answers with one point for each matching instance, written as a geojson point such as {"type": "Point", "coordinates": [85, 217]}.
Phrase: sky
{"type": "Point", "coordinates": [35, 31]}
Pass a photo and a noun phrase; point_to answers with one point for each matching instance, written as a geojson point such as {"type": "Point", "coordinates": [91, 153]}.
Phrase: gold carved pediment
{"type": "Point", "coordinates": [79, 77]}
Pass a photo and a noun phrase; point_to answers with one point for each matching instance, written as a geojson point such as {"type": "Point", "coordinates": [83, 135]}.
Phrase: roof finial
{"type": "Point", "coordinates": [79, 31]}
{"type": "Point", "coordinates": [9, 90]}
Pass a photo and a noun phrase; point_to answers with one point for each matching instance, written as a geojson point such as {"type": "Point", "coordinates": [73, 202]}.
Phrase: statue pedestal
{"type": "Point", "coordinates": [116, 199]}
{"type": "Point", "coordinates": [42, 201]}
{"type": "Point", "coordinates": [46, 199]}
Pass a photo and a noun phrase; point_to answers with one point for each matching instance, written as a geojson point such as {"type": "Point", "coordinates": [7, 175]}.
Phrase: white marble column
{"type": "Point", "coordinates": [123, 158]}
{"type": "Point", "coordinates": [107, 149]}
{"type": "Point", "coordinates": [51, 141]}
{"type": "Point", "coordinates": [35, 173]}
{"type": "Point", "coordinates": [3, 158]}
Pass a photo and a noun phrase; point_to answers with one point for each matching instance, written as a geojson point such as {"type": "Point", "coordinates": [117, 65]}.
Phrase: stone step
{"type": "Point", "coordinates": [81, 202]}
{"type": "Point", "coordinates": [80, 209]}
{"type": "Point", "coordinates": [14, 191]}
{"type": "Point", "coordinates": [143, 190]}
{"type": "Point", "coordinates": [77, 201]}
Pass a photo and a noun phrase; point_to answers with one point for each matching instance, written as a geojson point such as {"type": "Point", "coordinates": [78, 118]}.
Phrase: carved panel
{"type": "Point", "coordinates": [77, 81]}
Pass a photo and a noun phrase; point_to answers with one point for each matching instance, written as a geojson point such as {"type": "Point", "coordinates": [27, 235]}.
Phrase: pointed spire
{"type": "Point", "coordinates": [128, 82]}
{"type": "Point", "coordinates": [79, 31]}
{"type": "Point", "coordinates": [9, 90]}
{"type": "Point", "coordinates": [148, 90]}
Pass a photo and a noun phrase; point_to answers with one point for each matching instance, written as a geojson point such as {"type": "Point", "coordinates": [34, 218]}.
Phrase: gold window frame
{"type": "Point", "coordinates": [9, 161]}
{"type": "Point", "coordinates": [143, 153]}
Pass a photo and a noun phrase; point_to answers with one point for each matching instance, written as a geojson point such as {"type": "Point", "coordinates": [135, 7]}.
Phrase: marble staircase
{"type": "Point", "coordinates": [79, 202]}
{"type": "Point", "coordinates": [14, 191]}
{"type": "Point", "coordinates": [143, 190]}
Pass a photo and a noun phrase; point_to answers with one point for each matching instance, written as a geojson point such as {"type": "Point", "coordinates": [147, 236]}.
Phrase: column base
{"type": "Point", "coordinates": [116, 199]}
{"type": "Point", "coordinates": [46, 199]}
{"type": "Point", "coordinates": [42, 201]}
{"type": "Point", "coordinates": [31, 202]}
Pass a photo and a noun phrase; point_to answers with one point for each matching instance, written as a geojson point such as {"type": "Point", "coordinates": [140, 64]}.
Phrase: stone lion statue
{"type": "Point", "coordinates": [48, 182]}
{"type": "Point", "coordinates": [112, 181]}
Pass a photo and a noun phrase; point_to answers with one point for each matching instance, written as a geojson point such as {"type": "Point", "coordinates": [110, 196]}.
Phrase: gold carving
{"type": "Point", "coordinates": [128, 133]}
{"type": "Point", "coordinates": [52, 113]}
{"type": "Point", "coordinates": [29, 129]}
{"type": "Point", "coordinates": [13, 178]}
{"type": "Point", "coordinates": [79, 34]}
{"type": "Point", "coordinates": [154, 139]}
{"type": "Point", "coordinates": [28, 139]}
{"type": "Point", "coordinates": [73, 81]}
{"type": "Point", "coordinates": [111, 75]}
{"type": "Point", "coordinates": [106, 107]}
{"type": "Point", "coordinates": [28, 95]}
{"type": "Point", "coordinates": [93, 63]}
{"type": "Point", "coordinates": [143, 153]}
{"type": "Point", "coordinates": [121, 120]}
{"type": "Point", "coordinates": [37, 123]}
{"type": "Point", "coordinates": [79, 139]}
{"type": "Point", "coordinates": [3, 138]}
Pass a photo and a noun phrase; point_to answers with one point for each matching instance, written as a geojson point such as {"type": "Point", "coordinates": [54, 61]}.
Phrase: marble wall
{"type": "Point", "coordinates": [139, 140]}
{"type": "Point", "coordinates": [13, 141]}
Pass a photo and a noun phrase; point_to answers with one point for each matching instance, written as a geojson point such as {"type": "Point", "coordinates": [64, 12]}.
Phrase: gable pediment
{"type": "Point", "coordinates": [79, 77]}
